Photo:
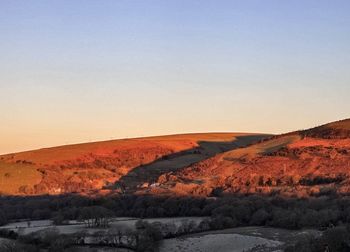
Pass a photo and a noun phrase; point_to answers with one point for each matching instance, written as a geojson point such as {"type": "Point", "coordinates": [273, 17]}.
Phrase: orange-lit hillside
{"type": "Point", "coordinates": [295, 164]}
{"type": "Point", "coordinates": [92, 166]}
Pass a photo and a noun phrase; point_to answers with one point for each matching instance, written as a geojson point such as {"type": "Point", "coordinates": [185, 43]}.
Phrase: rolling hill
{"type": "Point", "coordinates": [300, 163]}
{"type": "Point", "coordinates": [91, 167]}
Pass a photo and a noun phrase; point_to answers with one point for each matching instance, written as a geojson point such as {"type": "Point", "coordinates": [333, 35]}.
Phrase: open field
{"type": "Point", "coordinates": [13, 176]}
{"type": "Point", "coordinates": [261, 148]}
{"type": "Point", "coordinates": [217, 242]}
{"type": "Point", "coordinates": [237, 240]}
{"type": "Point", "coordinates": [227, 240]}
{"type": "Point", "coordinates": [121, 223]}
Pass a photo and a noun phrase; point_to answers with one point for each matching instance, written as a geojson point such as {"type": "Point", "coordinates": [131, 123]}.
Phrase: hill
{"type": "Point", "coordinates": [300, 163]}
{"type": "Point", "coordinates": [90, 167]}
{"type": "Point", "coordinates": [334, 130]}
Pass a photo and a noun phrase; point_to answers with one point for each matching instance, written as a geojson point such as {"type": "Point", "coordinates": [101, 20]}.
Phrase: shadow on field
{"type": "Point", "coordinates": [149, 173]}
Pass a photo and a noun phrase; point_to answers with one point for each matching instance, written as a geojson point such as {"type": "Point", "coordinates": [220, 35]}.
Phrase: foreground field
{"type": "Point", "coordinates": [237, 240]}
{"type": "Point", "coordinates": [121, 223]}
{"type": "Point", "coordinates": [130, 221]}
{"type": "Point", "coordinates": [227, 240]}
{"type": "Point", "coordinates": [218, 242]}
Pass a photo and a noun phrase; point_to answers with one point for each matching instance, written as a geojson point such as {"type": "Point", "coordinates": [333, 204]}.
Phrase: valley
{"type": "Point", "coordinates": [191, 192]}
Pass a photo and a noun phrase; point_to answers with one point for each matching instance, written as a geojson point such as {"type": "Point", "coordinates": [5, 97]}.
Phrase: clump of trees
{"type": "Point", "coordinates": [47, 239]}
{"type": "Point", "coordinates": [329, 213]}
{"type": "Point", "coordinates": [146, 236]}
{"type": "Point", "coordinates": [334, 239]}
{"type": "Point", "coordinates": [95, 216]}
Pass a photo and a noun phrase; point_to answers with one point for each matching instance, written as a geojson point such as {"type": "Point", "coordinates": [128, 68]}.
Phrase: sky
{"type": "Point", "coordinates": [81, 71]}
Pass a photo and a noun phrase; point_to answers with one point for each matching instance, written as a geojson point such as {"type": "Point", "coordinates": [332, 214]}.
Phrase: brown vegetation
{"type": "Point", "coordinates": [89, 168]}
{"type": "Point", "coordinates": [294, 164]}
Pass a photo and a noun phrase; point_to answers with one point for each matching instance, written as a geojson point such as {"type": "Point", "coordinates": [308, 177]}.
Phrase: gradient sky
{"type": "Point", "coordinates": [78, 71]}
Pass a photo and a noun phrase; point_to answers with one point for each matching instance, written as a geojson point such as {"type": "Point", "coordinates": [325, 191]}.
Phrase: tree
{"type": "Point", "coordinates": [337, 239]}
{"type": "Point", "coordinates": [95, 216]}
{"type": "Point", "coordinates": [115, 236]}
{"type": "Point", "coordinates": [259, 217]}
{"type": "Point", "coordinates": [58, 219]}
{"type": "Point", "coordinates": [3, 218]}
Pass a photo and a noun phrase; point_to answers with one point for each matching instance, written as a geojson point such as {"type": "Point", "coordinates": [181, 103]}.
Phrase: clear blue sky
{"type": "Point", "coordinates": [76, 71]}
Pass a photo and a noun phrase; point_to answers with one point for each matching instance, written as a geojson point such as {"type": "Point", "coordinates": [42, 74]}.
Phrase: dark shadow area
{"type": "Point", "coordinates": [285, 212]}
{"type": "Point", "coordinates": [326, 215]}
{"type": "Point", "coordinates": [148, 174]}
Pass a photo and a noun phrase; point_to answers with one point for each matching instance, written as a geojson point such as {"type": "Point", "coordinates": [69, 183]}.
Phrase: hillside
{"type": "Point", "coordinates": [334, 130]}
{"type": "Point", "coordinates": [301, 163]}
{"type": "Point", "coordinates": [90, 167]}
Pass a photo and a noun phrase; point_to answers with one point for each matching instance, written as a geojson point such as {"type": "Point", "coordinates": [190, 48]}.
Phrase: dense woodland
{"type": "Point", "coordinates": [325, 212]}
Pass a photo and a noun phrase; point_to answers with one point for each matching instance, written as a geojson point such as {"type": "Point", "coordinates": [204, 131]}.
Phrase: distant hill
{"type": "Point", "coordinates": [334, 130]}
{"type": "Point", "coordinates": [89, 167]}
{"type": "Point", "coordinates": [300, 163]}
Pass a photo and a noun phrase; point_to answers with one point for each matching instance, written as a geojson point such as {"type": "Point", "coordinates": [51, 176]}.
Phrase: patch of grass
{"type": "Point", "coordinates": [261, 148]}
{"type": "Point", "coordinates": [15, 175]}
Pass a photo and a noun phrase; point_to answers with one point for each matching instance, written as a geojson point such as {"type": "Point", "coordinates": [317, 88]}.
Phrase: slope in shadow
{"type": "Point", "coordinates": [149, 173]}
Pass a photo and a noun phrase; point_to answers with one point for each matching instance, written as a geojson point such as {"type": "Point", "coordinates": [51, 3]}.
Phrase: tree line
{"type": "Point", "coordinates": [326, 212]}
{"type": "Point", "coordinates": [228, 210]}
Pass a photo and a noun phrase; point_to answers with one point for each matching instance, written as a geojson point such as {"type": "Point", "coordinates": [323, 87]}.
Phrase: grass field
{"type": "Point", "coordinates": [261, 148]}
{"type": "Point", "coordinates": [68, 152]}
{"type": "Point", "coordinates": [14, 175]}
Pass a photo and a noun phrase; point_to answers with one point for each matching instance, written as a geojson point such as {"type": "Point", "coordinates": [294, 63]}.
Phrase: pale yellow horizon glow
{"type": "Point", "coordinates": [38, 133]}
{"type": "Point", "coordinates": [81, 71]}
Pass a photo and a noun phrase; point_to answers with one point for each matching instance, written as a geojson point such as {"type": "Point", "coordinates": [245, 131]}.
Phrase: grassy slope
{"type": "Point", "coordinates": [69, 152]}
{"type": "Point", "coordinates": [13, 176]}
{"type": "Point", "coordinates": [241, 168]}
{"type": "Point", "coordinates": [261, 148]}
{"type": "Point", "coordinates": [282, 141]}
{"type": "Point", "coordinates": [21, 169]}
{"type": "Point", "coordinates": [343, 124]}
